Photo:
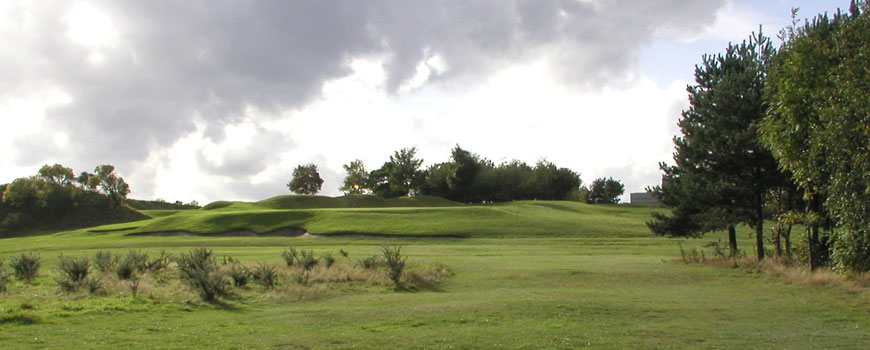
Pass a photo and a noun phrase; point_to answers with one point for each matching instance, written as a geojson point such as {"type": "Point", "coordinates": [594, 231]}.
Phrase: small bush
{"type": "Point", "coordinates": [74, 270]}
{"type": "Point", "coordinates": [199, 271]}
{"type": "Point", "coordinates": [265, 275]}
{"type": "Point", "coordinates": [4, 279]}
{"type": "Point", "coordinates": [125, 269]}
{"type": "Point", "coordinates": [306, 260]}
{"type": "Point", "coordinates": [133, 284]}
{"type": "Point", "coordinates": [25, 267]}
{"type": "Point", "coordinates": [343, 253]}
{"type": "Point", "coordinates": [290, 256]}
{"type": "Point", "coordinates": [395, 262]}
{"type": "Point", "coordinates": [105, 261]}
{"type": "Point", "coordinates": [240, 274]}
{"type": "Point", "coordinates": [137, 259]}
{"type": "Point", "coordinates": [93, 285]}
{"type": "Point", "coordinates": [370, 263]}
{"type": "Point", "coordinates": [158, 263]}
{"type": "Point", "coordinates": [328, 260]}
{"type": "Point", "coordinates": [229, 260]}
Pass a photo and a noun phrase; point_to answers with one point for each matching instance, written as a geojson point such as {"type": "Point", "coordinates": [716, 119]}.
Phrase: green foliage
{"type": "Point", "coordinates": [93, 285]}
{"type": "Point", "coordinates": [605, 191]}
{"type": "Point", "coordinates": [343, 253]}
{"type": "Point", "coordinates": [5, 278]}
{"type": "Point", "coordinates": [111, 184]}
{"type": "Point", "coordinates": [74, 270]}
{"type": "Point", "coordinates": [817, 127]}
{"type": "Point", "coordinates": [306, 180]}
{"type": "Point", "coordinates": [158, 263]}
{"type": "Point", "coordinates": [199, 271]}
{"type": "Point", "coordinates": [105, 261]}
{"type": "Point", "coordinates": [25, 267]}
{"type": "Point", "coordinates": [400, 176]}
{"type": "Point", "coordinates": [395, 263]}
{"type": "Point", "coordinates": [265, 275]}
{"type": "Point", "coordinates": [370, 263]}
{"type": "Point", "coordinates": [357, 178]}
{"type": "Point", "coordinates": [290, 256]}
{"type": "Point", "coordinates": [240, 274]}
{"type": "Point", "coordinates": [328, 259]}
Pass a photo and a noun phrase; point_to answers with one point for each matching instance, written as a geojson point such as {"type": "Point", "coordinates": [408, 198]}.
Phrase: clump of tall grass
{"type": "Point", "coordinates": [328, 259]}
{"type": "Point", "coordinates": [265, 275]}
{"type": "Point", "coordinates": [240, 274]}
{"type": "Point", "coordinates": [199, 271]}
{"type": "Point", "coordinates": [158, 263]}
{"type": "Point", "coordinates": [73, 272]}
{"type": "Point", "coordinates": [290, 256]}
{"type": "Point", "coordinates": [693, 256]}
{"type": "Point", "coordinates": [370, 263]}
{"type": "Point", "coordinates": [105, 261]}
{"type": "Point", "coordinates": [25, 267]}
{"type": "Point", "coordinates": [4, 278]}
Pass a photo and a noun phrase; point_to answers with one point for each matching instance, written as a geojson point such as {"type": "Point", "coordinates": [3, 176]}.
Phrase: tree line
{"type": "Point", "coordinates": [783, 134]}
{"type": "Point", "coordinates": [55, 196]}
{"type": "Point", "coordinates": [466, 177]}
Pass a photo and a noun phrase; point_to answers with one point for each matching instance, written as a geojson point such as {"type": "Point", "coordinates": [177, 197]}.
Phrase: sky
{"type": "Point", "coordinates": [220, 100]}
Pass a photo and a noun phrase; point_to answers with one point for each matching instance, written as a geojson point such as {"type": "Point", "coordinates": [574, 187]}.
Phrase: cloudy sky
{"type": "Point", "coordinates": [209, 100]}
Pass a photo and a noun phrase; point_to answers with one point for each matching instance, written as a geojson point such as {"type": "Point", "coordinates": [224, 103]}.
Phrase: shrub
{"type": "Point", "coordinates": [343, 253]}
{"type": "Point", "coordinates": [105, 261]}
{"type": "Point", "coordinates": [25, 267]}
{"type": "Point", "coordinates": [290, 256]}
{"type": "Point", "coordinates": [199, 271]}
{"type": "Point", "coordinates": [4, 278]}
{"type": "Point", "coordinates": [265, 275]}
{"type": "Point", "coordinates": [74, 270]}
{"type": "Point", "coordinates": [133, 284]}
{"type": "Point", "coordinates": [137, 259]}
{"type": "Point", "coordinates": [229, 260]}
{"type": "Point", "coordinates": [395, 262]}
{"type": "Point", "coordinates": [93, 285]}
{"type": "Point", "coordinates": [126, 269]}
{"type": "Point", "coordinates": [158, 263]}
{"type": "Point", "coordinates": [328, 260]}
{"type": "Point", "coordinates": [240, 274]}
{"type": "Point", "coordinates": [371, 262]}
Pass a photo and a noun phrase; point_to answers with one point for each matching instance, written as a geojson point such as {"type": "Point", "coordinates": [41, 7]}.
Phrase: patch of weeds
{"type": "Point", "coordinates": [370, 263]}
{"type": "Point", "coordinates": [693, 256]}
{"type": "Point", "coordinates": [4, 279]}
{"type": "Point", "coordinates": [343, 253]}
{"type": "Point", "coordinates": [306, 261]}
{"type": "Point", "coordinates": [73, 272]}
{"type": "Point", "coordinates": [240, 274]}
{"type": "Point", "coordinates": [229, 260]}
{"type": "Point", "coordinates": [25, 267]}
{"type": "Point", "coordinates": [199, 271]}
{"type": "Point", "coordinates": [21, 319]}
{"type": "Point", "coordinates": [133, 285]}
{"type": "Point", "coordinates": [125, 269]}
{"type": "Point", "coordinates": [394, 262]}
{"type": "Point", "coordinates": [718, 249]}
{"type": "Point", "coordinates": [290, 255]}
{"type": "Point", "coordinates": [158, 263]}
{"type": "Point", "coordinates": [93, 285]}
{"type": "Point", "coordinates": [328, 260]}
{"type": "Point", "coordinates": [265, 275]}
{"type": "Point", "coordinates": [105, 261]}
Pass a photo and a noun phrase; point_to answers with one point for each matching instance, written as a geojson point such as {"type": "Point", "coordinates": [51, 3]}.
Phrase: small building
{"type": "Point", "coordinates": [642, 198]}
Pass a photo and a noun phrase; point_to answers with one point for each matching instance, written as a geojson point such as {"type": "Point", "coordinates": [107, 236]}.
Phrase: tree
{"type": "Point", "coordinates": [400, 176]}
{"type": "Point", "coordinates": [722, 170]}
{"type": "Point", "coordinates": [306, 180]}
{"type": "Point", "coordinates": [357, 178]}
{"type": "Point", "coordinates": [605, 191]}
{"type": "Point", "coordinates": [111, 184]}
{"type": "Point", "coordinates": [818, 127]}
{"type": "Point", "coordinates": [57, 174]}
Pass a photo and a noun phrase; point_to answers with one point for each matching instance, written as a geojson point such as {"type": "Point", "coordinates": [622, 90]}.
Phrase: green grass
{"type": "Point", "coordinates": [531, 275]}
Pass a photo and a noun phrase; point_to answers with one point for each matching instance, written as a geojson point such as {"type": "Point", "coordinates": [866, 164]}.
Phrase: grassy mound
{"type": "Point", "coordinates": [349, 201]}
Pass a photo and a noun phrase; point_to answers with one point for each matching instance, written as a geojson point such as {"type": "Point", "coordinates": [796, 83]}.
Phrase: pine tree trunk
{"type": "Point", "coordinates": [759, 226]}
{"type": "Point", "coordinates": [732, 240]}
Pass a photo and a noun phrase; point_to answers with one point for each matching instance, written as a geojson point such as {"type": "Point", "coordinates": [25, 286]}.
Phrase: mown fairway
{"type": "Point", "coordinates": [529, 275]}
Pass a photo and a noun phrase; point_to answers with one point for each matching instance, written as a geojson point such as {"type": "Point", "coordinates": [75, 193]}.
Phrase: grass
{"type": "Point", "coordinates": [530, 275]}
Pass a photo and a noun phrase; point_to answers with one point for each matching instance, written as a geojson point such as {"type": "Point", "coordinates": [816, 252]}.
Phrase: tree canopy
{"type": "Point", "coordinates": [306, 180]}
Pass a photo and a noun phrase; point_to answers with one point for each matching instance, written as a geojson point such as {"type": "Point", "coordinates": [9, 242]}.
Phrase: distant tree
{"type": "Point", "coordinates": [463, 168]}
{"type": "Point", "coordinates": [357, 178]}
{"type": "Point", "coordinates": [57, 174]}
{"type": "Point", "coordinates": [605, 191]}
{"type": "Point", "coordinates": [88, 181]}
{"type": "Point", "coordinates": [306, 180]}
{"type": "Point", "coordinates": [111, 184]}
{"type": "Point", "coordinates": [400, 176]}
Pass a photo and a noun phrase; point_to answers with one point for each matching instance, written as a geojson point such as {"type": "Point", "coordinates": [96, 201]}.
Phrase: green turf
{"type": "Point", "coordinates": [531, 275]}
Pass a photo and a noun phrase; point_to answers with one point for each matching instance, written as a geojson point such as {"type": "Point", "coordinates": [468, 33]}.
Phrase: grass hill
{"type": "Point", "coordinates": [427, 216]}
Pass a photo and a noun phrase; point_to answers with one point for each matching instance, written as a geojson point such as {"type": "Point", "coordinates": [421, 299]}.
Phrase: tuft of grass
{"type": "Point", "coordinates": [105, 261]}
{"type": "Point", "coordinates": [343, 253]}
{"type": "Point", "coordinates": [265, 275]}
{"type": "Point", "coordinates": [290, 255]}
{"type": "Point", "coordinates": [240, 274]}
{"type": "Point", "coordinates": [328, 259]}
{"type": "Point", "coordinates": [25, 267]}
{"type": "Point", "coordinates": [199, 271]}
{"type": "Point", "coordinates": [370, 263]}
{"type": "Point", "coordinates": [4, 279]}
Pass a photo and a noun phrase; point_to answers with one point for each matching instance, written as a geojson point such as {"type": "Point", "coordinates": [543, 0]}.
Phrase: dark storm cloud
{"type": "Point", "coordinates": [180, 61]}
